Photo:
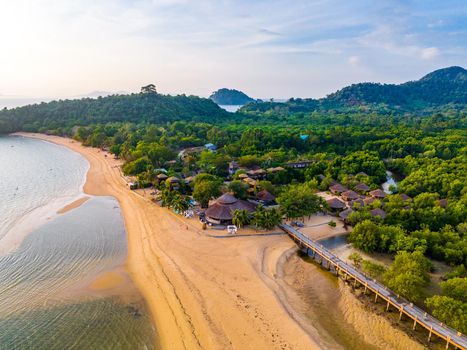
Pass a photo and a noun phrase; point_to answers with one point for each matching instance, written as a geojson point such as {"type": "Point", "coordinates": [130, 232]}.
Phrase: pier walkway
{"type": "Point", "coordinates": [419, 317]}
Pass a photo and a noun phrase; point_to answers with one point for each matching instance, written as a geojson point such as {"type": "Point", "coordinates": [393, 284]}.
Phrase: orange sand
{"type": "Point", "coordinates": [108, 280]}
{"type": "Point", "coordinates": [77, 203]}
{"type": "Point", "coordinates": [203, 292]}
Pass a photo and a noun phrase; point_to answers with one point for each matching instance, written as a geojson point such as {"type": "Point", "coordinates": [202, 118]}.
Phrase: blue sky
{"type": "Point", "coordinates": [270, 48]}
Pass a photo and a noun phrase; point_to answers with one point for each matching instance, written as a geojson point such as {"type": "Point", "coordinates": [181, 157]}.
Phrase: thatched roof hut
{"type": "Point", "coordinates": [173, 180]}
{"type": "Point", "coordinates": [357, 202]}
{"type": "Point", "coordinates": [378, 212]}
{"type": "Point", "coordinates": [405, 197]}
{"type": "Point", "coordinates": [379, 194]}
{"type": "Point", "coordinates": [349, 195]}
{"type": "Point", "coordinates": [265, 196]}
{"type": "Point", "coordinates": [242, 176]}
{"type": "Point", "coordinates": [221, 210]}
{"type": "Point", "coordinates": [335, 204]}
{"type": "Point", "coordinates": [337, 188]}
{"type": "Point", "coordinates": [362, 187]}
{"type": "Point", "coordinates": [162, 177]}
{"type": "Point", "coordinates": [345, 214]}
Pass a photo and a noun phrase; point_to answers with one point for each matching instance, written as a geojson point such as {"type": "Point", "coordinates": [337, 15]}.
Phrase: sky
{"type": "Point", "coordinates": [274, 48]}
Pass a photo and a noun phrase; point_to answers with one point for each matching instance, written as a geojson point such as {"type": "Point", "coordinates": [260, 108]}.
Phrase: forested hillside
{"type": "Point", "coordinates": [135, 108]}
{"type": "Point", "coordinates": [440, 90]}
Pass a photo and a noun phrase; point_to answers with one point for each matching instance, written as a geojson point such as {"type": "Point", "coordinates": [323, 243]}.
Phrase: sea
{"type": "Point", "coordinates": [51, 264]}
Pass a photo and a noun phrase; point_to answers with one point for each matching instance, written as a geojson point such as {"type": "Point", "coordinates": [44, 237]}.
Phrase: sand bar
{"type": "Point", "coordinates": [203, 293]}
{"type": "Point", "coordinates": [76, 204]}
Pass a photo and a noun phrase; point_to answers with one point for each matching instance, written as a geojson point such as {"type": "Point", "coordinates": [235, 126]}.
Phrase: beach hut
{"type": "Point", "coordinates": [443, 203]}
{"type": "Point", "coordinates": [357, 203]}
{"type": "Point", "coordinates": [222, 209]}
{"type": "Point", "coordinates": [349, 195]}
{"type": "Point", "coordinates": [345, 214]}
{"type": "Point", "coordinates": [174, 182]}
{"type": "Point", "coordinates": [378, 212]}
{"type": "Point", "coordinates": [362, 187]}
{"type": "Point", "coordinates": [275, 170]}
{"type": "Point", "coordinates": [265, 197]}
{"type": "Point", "coordinates": [337, 188]}
{"type": "Point", "coordinates": [368, 200]}
{"type": "Point", "coordinates": [335, 204]}
{"type": "Point", "coordinates": [405, 197]}
{"type": "Point", "coordinates": [378, 194]}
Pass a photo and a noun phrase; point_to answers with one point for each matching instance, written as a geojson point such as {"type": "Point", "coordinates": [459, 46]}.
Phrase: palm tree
{"type": "Point", "coordinates": [240, 218]}
{"type": "Point", "coordinates": [179, 203]}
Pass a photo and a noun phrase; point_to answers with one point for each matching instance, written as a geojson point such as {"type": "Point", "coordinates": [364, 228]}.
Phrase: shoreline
{"type": "Point", "coordinates": [201, 292]}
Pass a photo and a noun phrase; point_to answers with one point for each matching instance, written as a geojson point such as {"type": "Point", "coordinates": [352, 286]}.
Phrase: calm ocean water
{"type": "Point", "coordinates": [45, 298]}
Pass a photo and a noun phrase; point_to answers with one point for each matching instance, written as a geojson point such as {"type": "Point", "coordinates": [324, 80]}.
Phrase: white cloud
{"type": "Point", "coordinates": [429, 53]}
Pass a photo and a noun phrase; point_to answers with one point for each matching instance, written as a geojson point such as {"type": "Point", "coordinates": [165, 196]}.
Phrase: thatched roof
{"type": "Point", "coordinates": [349, 195]}
{"type": "Point", "coordinates": [362, 187]}
{"type": "Point", "coordinates": [405, 197]}
{"type": "Point", "coordinates": [173, 180]}
{"type": "Point", "coordinates": [345, 214]}
{"type": "Point", "coordinates": [224, 206]}
{"type": "Point", "coordinates": [337, 188]}
{"type": "Point", "coordinates": [265, 196]}
{"type": "Point", "coordinates": [335, 203]}
{"type": "Point", "coordinates": [377, 193]}
{"type": "Point", "coordinates": [359, 201]}
{"type": "Point", "coordinates": [162, 176]}
{"type": "Point", "coordinates": [368, 200]}
{"type": "Point", "coordinates": [242, 176]}
{"type": "Point", "coordinates": [378, 212]}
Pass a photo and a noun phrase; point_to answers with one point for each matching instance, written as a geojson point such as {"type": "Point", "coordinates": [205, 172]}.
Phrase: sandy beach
{"type": "Point", "coordinates": [203, 292]}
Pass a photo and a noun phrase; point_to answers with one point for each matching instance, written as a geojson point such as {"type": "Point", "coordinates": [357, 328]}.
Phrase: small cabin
{"type": "Point", "coordinates": [299, 165]}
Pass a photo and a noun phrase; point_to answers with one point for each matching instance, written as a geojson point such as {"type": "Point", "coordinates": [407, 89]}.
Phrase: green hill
{"type": "Point", "coordinates": [230, 97]}
{"type": "Point", "coordinates": [137, 108]}
{"type": "Point", "coordinates": [442, 88]}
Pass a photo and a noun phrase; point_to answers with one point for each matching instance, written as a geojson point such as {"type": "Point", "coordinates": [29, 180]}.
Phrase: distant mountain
{"type": "Point", "coordinates": [440, 89]}
{"type": "Point", "coordinates": [230, 97]}
{"type": "Point", "coordinates": [136, 108]}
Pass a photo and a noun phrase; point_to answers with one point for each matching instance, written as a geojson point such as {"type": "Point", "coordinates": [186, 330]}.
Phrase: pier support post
{"type": "Point", "coordinates": [414, 323]}
{"type": "Point", "coordinates": [387, 306]}
{"type": "Point", "coordinates": [400, 313]}
{"type": "Point", "coordinates": [429, 335]}
{"type": "Point", "coordinates": [447, 342]}
{"type": "Point", "coordinates": [376, 297]}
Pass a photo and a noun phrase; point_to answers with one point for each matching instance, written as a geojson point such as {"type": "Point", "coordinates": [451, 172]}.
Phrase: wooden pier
{"type": "Point", "coordinates": [341, 268]}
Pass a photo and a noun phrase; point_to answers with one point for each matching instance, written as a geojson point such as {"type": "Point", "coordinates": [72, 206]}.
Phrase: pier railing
{"type": "Point", "coordinates": [419, 317]}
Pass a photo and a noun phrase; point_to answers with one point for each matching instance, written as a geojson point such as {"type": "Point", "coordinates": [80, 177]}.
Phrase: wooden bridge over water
{"type": "Point", "coordinates": [341, 268]}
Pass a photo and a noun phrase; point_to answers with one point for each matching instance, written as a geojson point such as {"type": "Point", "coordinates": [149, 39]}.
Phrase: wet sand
{"type": "Point", "coordinates": [76, 204]}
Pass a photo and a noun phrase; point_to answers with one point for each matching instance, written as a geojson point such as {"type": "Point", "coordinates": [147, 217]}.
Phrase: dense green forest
{"type": "Point", "coordinates": [426, 150]}
{"type": "Point", "coordinates": [442, 89]}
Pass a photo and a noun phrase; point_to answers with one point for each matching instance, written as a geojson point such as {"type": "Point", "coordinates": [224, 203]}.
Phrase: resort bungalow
{"type": "Point", "coordinates": [378, 194]}
{"type": "Point", "coordinates": [265, 197]}
{"type": "Point", "coordinates": [299, 165]}
{"type": "Point", "coordinates": [349, 195]}
{"type": "Point", "coordinates": [378, 212]}
{"type": "Point", "coordinates": [405, 197]}
{"type": "Point", "coordinates": [345, 214]}
{"type": "Point", "coordinates": [161, 177]}
{"type": "Point", "coordinates": [222, 209]}
{"type": "Point", "coordinates": [210, 147]}
{"type": "Point", "coordinates": [257, 174]}
{"type": "Point", "coordinates": [357, 203]}
{"type": "Point", "coordinates": [362, 187]}
{"type": "Point", "coordinates": [368, 200]}
{"type": "Point", "coordinates": [335, 204]}
{"type": "Point", "coordinates": [337, 189]}
{"type": "Point", "coordinates": [275, 170]}
{"type": "Point", "coordinates": [173, 182]}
